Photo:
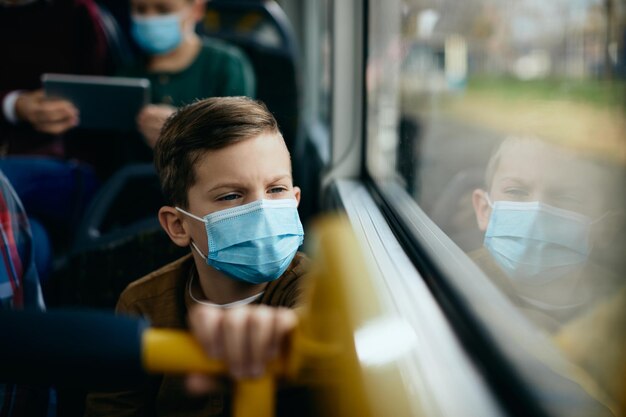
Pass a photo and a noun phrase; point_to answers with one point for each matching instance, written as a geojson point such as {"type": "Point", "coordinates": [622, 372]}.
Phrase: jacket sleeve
{"type": "Point", "coordinates": [131, 402]}
{"type": "Point", "coordinates": [3, 119]}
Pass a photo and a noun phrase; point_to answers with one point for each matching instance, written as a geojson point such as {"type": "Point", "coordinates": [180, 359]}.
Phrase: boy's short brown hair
{"type": "Point", "coordinates": [205, 125]}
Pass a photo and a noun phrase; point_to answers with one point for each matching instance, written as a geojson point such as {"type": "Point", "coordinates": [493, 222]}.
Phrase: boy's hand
{"type": "Point", "coordinates": [247, 338]}
{"type": "Point", "coordinates": [47, 115]}
{"type": "Point", "coordinates": [151, 119]}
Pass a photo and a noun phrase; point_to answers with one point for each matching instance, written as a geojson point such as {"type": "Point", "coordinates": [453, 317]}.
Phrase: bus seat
{"type": "Point", "coordinates": [121, 206]}
{"type": "Point", "coordinates": [453, 211]}
{"type": "Point", "coordinates": [261, 29]}
{"type": "Point", "coordinates": [120, 51]}
{"type": "Point", "coordinates": [118, 240]}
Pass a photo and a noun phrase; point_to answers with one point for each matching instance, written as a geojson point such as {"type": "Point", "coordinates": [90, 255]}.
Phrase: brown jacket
{"type": "Point", "coordinates": [163, 298]}
{"type": "Point", "coordinates": [594, 285]}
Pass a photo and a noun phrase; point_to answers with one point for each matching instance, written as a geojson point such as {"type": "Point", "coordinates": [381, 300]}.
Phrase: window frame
{"type": "Point", "coordinates": [522, 367]}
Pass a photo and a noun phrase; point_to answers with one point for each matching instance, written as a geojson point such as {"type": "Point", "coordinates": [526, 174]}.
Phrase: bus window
{"type": "Point", "coordinates": [323, 72]}
{"type": "Point", "coordinates": [504, 121]}
{"type": "Point", "coordinates": [317, 62]}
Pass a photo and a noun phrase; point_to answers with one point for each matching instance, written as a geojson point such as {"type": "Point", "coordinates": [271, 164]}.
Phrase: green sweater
{"type": "Point", "coordinates": [219, 70]}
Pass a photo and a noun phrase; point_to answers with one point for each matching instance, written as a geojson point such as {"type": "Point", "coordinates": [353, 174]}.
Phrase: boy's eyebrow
{"type": "Point", "coordinates": [514, 179]}
{"type": "Point", "coordinates": [225, 185]}
{"type": "Point", "coordinates": [280, 177]}
{"type": "Point", "coordinates": [239, 184]}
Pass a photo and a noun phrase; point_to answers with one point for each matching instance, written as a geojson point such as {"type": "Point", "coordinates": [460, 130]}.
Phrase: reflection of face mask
{"type": "Point", "coordinates": [254, 242]}
{"type": "Point", "coordinates": [159, 34]}
{"type": "Point", "coordinates": [536, 243]}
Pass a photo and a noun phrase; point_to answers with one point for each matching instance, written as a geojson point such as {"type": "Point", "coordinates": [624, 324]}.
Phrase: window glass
{"type": "Point", "coordinates": [324, 62]}
{"type": "Point", "coordinates": [505, 121]}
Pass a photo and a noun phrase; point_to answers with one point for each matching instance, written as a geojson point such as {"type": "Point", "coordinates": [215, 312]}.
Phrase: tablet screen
{"type": "Point", "coordinates": [107, 103]}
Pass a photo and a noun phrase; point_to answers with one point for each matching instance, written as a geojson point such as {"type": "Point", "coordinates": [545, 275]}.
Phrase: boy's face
{"type": "Point", "coordinates": [535, 172]}
{"type": "Point", "coordinates": [253, 169]}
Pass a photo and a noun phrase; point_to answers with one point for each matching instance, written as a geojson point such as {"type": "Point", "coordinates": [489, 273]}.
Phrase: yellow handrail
{"type": "Point", "coordinates": [323, 338]}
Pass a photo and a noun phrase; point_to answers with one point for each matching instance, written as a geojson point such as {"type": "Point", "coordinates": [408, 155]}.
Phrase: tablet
{"type": "Point", "coordinates": [106, 103]}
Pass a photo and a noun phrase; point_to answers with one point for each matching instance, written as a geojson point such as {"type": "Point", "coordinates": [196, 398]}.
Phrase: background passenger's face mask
{"type": "Point", "coordinates": [158, 34]}
{"type": "Point", "coordinates": [255, 242]}
{"type": "Point", "coordinates": [536, 243]}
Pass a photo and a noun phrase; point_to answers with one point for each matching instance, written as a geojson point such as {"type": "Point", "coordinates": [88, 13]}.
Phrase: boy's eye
{"type": "Point", "coordinates": [570, 201]}
{"type": "Point", "coordinates": [517, 192]}
{"type": "Point", "coordinates": [276, 190]}
{"type": "Point", "coordinates": [164, 9]}
{"type": "Point", "coordinates": [229, 197]}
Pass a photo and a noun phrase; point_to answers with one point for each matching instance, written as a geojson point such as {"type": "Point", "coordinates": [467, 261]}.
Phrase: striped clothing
{"type": "Point", "coordinates": [19, 281]}
{"type": "Point", "coordinates": [19, 289]}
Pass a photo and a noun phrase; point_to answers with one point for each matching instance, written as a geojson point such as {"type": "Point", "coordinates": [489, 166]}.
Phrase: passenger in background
{"type": "Point", "coordinates": [59, 36]}
{"type": "Point", "coordinates": [226, 171]}
{"type": "Point", "coordinates": [39, 36]}
{"type": "Point", "coordinates": [182, 66]}
{"type": "Point", "coordinates": [543, 211]}
{"type": "Point", "coordinates": [19, 290]}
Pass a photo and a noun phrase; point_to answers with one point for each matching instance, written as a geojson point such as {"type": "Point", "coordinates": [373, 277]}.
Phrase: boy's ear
{"type": "Point", "coordinates": [296, 193]}
{"type": "Point", "coordinates": [173, 226]}
{"type": "Point", "coordinates": [481, 208]}
{"type": "Point", "coordinates": [199, 9]}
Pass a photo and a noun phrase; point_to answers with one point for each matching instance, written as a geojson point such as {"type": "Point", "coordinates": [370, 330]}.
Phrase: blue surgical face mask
{"type": "Point", "coordinates": [255, 242]}
{"type": "Point", "coordinates": [536, 243]}
{"type": "Point", "coordinates": [158, 34]}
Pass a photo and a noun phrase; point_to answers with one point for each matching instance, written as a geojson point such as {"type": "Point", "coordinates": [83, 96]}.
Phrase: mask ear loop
{"type": "Point", "coordinates": [604, 216]}
{"type": "Point", "coordinates": [193, 244]}
{"type": "Point", "coordinates": [486, 193]}
{"type": "Point", "coordinates": [193, 216]}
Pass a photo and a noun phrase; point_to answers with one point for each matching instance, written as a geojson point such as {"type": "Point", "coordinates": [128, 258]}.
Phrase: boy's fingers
{"type": "Point", "coordinates": [57, 105]}
{"type": "Point", "coordinates": [57, 127]}
{"type": "Point", "coordinates": [54, 114]}
{"type": "Point", "coordinates": [236, 339]}
{"type": "Point", "coordinates": [261, 334]}
{"type": "Point", "coordinates": [246, 337]}
{"type": "Point", "coordinates": [206, 324]}
{"type": "Point", "coordinates": [37, 94]}
{"type": "Point", "coordinates": [200, 384]}
{"type": "Point", "coordinates": [36, 109]}
{"type": "Point", "coordinates": [52, 129]}
{"type": "Point", "coordinates": [285, 321]}
{"type": "Point", "coordinates": [146, 114]}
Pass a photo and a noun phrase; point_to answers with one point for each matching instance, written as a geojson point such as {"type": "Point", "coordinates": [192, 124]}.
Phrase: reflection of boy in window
{"type": "Point", "coordinates": [543, 211]}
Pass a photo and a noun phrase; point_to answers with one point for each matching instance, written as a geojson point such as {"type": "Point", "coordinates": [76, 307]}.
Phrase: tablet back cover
{"type": "Point", "coordinates": [107, 103]}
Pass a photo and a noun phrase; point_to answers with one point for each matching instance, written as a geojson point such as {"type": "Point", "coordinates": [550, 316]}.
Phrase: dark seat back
{"type": "Point", "coordinates": [120, 51]}
{"type": "Point", "coordinates": [118, 241]}
{"type": "Point", "coordinates": [261, 29]}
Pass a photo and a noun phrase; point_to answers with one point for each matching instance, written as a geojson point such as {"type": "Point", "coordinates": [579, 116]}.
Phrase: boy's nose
{"type": "Point", "coordinates": [254, 196]}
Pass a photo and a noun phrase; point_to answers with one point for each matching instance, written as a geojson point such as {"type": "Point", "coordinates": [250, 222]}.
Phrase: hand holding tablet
{"type": "Point", "coordinates": [107, 103]}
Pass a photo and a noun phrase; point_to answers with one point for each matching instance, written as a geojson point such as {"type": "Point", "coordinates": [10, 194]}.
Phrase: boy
{"type": "Point", "coordinates": [181, 66]}
{"type": "Point", "coordinates": [544, 210]}
{"type": "Point", "coordinates": [222, 162]}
